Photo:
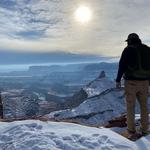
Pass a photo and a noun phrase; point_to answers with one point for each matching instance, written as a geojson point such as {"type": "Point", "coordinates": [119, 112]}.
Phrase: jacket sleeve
{"type": "Point", "coordinates": [123, 63]}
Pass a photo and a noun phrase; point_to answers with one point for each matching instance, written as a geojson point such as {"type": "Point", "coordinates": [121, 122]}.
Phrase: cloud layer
{"type": "Point", "coordinates": [50, 25]}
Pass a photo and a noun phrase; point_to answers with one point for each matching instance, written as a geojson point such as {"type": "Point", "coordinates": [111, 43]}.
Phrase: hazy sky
{"type": "Point", "coordinates": [50, 25]}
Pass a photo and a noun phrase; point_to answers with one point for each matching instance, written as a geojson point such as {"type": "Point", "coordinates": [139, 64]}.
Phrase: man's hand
{"type": "Point", "coordinates": [118, 85]}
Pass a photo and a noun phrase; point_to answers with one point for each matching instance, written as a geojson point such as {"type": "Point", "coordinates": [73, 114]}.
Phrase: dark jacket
{"type": "Point", "coordinates": [129, 59]}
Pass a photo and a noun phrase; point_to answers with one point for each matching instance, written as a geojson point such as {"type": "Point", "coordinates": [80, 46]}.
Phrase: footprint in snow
{"type": "Point", "coordinates": [95, 135]}
{"type": "Point", "coordinates": [34, 126]}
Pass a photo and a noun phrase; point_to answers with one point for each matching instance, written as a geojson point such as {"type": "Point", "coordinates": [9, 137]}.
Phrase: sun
{"type": "Point", "coordinates": [83, 14]}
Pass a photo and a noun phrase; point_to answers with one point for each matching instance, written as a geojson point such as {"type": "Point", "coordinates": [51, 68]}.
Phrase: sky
{"type": "Point", "coordinates": [50, 25]}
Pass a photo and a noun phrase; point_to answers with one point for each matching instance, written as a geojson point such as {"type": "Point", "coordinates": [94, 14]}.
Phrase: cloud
{"type": "Point", "coordinates": [49, 25]}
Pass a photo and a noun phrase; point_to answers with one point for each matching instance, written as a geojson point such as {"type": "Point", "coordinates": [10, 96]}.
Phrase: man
{"type": "Point", "coordinates": [136, 81]}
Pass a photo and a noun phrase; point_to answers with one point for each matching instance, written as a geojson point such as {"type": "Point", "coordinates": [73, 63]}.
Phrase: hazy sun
{"type": "Point", "coordinates": [83, 14]}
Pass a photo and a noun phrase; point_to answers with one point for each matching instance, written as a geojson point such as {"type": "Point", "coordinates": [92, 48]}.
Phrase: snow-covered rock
{"type": "Point", "coordinates": [104, 103]}
{"type": "Point", "coordinates": [37, 135]}
{"type": "Point", "coordinates": [19, 103]}
{"type": "Point", "coordinates": [95, 110]}
{"type": "Point", "coordinates": [99, 85]}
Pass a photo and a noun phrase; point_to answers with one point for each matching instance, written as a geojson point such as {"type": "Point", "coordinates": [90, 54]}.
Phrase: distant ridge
{"type": "Point", "coordinates": [9, 57]}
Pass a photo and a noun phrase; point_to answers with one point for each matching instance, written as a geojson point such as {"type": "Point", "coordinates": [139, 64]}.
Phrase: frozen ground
{"type": "Point", "coordinates": [37, 135]}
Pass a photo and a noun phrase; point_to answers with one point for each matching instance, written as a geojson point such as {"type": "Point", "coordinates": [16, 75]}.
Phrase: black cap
{"type": "Point", "coordinates": [132, 36]}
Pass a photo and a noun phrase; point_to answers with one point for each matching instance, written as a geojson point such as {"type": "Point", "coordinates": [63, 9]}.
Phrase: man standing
{"type": "Point", "coordinates": [134, 66]}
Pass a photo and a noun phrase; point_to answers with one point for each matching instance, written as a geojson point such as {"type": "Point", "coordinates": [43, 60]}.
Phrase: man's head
{"type": "Point", "coordinates": [133, 38]}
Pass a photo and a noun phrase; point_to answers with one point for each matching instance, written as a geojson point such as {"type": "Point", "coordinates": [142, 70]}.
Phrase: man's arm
{"type": "Point", "coordinates": [122, 67]}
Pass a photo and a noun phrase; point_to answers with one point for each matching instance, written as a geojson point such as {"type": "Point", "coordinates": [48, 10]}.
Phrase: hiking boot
{"type": "Point", "coordinates": [131, 135]}
{"type": "Point", "coordinates": [145, 133]}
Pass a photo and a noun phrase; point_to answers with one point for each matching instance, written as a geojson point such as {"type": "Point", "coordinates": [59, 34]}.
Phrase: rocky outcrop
{"type": "Point", "coordinates": [96, 110]}
{"type": "Point", "coordinates": [19, 103]}
{"type": "Point", "coordinates": [98, 85]}
{"type": "Point", "coordinates": [102, 75]}
{"type": "Point", "coordinates": [76, 99]}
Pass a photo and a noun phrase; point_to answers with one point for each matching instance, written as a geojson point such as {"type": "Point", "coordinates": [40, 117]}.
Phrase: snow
{"type": "Point", "coordinates": [38, 135]}
{"type": "Point", "coordinates": [98, 85]}
{"type": "Point", "coordinates": [95, 110]}
{"type": "Point", "coordinates": [104, 103]}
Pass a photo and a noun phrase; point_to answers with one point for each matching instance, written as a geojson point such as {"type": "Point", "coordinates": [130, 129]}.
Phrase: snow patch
{"type": "Point", "coordinates": [37, 135]}
{"type": "Point", "coordinates": [98, 85]}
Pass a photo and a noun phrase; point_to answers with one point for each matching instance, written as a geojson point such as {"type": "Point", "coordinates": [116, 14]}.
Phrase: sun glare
{"type": "Point", "coordinates": [83, 14]}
